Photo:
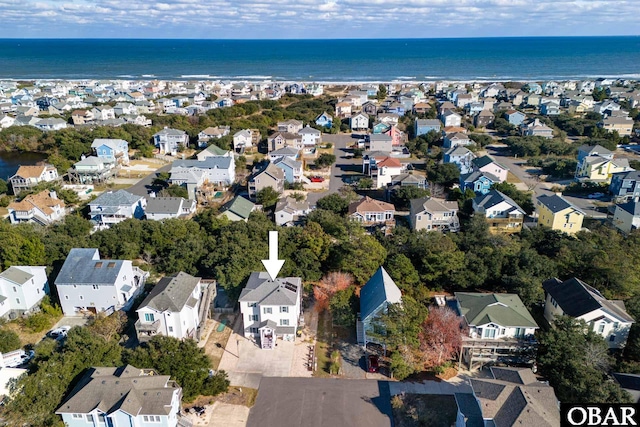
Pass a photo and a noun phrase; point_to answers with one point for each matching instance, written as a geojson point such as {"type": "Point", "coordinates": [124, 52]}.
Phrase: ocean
{"type": "Point", "coordinates": [526, 58]}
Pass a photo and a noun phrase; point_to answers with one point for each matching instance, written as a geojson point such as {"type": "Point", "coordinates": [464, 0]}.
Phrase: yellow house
{"type": "Point", "coordinates": [598, 168]}
{"type": "Point", "coordinates": [557, 213]}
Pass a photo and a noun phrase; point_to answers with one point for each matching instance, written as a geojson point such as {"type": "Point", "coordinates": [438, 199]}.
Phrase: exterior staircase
{"type": "Point", "coordinates": [360, 332]}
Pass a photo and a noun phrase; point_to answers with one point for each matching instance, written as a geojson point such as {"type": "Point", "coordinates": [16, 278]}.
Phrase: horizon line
{"type": "Point", "coordinates": [322, 39]}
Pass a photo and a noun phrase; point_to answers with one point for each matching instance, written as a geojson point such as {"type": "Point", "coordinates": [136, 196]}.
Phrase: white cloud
{"type": "Point", "coordinates": [313, 19]}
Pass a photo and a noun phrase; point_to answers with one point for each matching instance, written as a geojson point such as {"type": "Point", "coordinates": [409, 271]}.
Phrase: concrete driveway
{"type": "Point", "coordinates": [246, 363]}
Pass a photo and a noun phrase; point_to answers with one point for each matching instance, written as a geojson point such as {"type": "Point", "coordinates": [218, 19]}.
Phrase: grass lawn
{"type": "Point", "coordinates": [324, 344]}
{"type": "Point", "coordinates": [26, 336]}
{"type": "Point", "coordinates": [415, 410]}
{"type": "Point", "coordinates": [217, 342]}
{"type": "Point", "coordinates": [235, 396]}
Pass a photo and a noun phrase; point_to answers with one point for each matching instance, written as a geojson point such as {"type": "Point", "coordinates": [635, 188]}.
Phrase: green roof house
{"type": "Point", "coordinates": [495, 316]}
{"type": "Point", "coordinates": [237, 209]}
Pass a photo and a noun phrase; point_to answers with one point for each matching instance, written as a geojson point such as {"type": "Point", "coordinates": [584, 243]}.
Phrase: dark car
{"type": "Point", "coordinates": [372, 363]}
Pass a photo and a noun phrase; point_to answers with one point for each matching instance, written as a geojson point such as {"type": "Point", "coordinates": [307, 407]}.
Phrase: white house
{"type": "Point", "coordinates": [51, 124]}
{"type": "Point", "coordinates": [310, 136]}
{"type": "Point", "coordinates": [495, 316]}
{"type": "Point", "coordinates": [30, 176]}
{"type": "Point", "coordinates": [450, 118]}
{"type": "Point", "coordinates": [168, 140]}
{"type": "Point", "coordinates": [42, 208]}
{"type": "Point", "coordinates": [488, 165]}
{"type": "Point", "coordinates": [271, 309]}
{"type": "Point", "coordinates": [626, 216]}
{"type": "Point", "coordinates": [243, 140]}
{"type": "Point", "coordinates": [359, 122]}
{"type": "Point", "coordinates": [431, 214]}
{"type": "Point", "coordinates": [21, 290]}
{"type": "Point", "coordinates": [88, 283]}
{"type": "Point", "coordinates": [215, 170]}
{"type": "Point", "coordinates": [122, 397]}
{"type": "Point", "coordinates": [288, 210]}
{"type": "Point", "coordinates": [159, 208]}
{"type": "Point", "coordinates": [574, 298]}
{"type": "Point", "coordinates": [113, 207]}
{"type": "Point", "coordinates": [171, 308]}
{"type": "Point", "coordinates": [375, 297]}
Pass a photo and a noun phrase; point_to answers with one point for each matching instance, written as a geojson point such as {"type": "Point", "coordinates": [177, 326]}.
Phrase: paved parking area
{"type": "Point", "coordinates": [246, 363]}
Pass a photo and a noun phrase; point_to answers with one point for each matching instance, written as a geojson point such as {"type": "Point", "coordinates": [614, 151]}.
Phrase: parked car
{"type": "Point", "coordinates": [316, 179]}
{"type": "Point", "coordinates": [595, 195]}
{"type": "Point", "coordinates": [373, 363]}
{"type": "Point", "coordinates": [59, 333]}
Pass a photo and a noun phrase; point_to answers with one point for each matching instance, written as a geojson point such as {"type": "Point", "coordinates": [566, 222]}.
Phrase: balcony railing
{"type": "Point", "coordinates": [148, 328]}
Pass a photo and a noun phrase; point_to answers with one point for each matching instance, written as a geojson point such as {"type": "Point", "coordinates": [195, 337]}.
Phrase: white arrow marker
{"type": "Point", "coordinates": [273, 264]}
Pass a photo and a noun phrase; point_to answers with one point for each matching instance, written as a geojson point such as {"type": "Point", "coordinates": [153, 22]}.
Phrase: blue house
{"type": "Point", "coordinates": [478, 181]}
{"type": "Point", "coordinates": [324, 119]}
{"type": "Point", "coordinates": [424, 126]}
{"type": "Point", "coordinates": [111, 150]}
{"type": "Point", "coordinates": [292, 169]}
{"type": "Point", "coordinates": [514, 117]}
{"type": "Point", "coordinates": [375, 297]}
{"type": "Point", "coordinates": [461, 157]}
{"type": "Point", "coordinates": [625, 186]}
{"type": "Point", "coordinates": [396, 108]}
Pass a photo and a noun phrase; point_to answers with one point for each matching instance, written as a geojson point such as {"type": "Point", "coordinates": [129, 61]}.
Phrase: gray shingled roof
{"type": "Point", "coordinates": [468, 406]}
{"type": "Point", "coordinates": [576, 298]}
{"type": "Point", "coordinates": [208, 163]}
{"type": "Point", "coordinates": [284, 151]}
{"type": "Point", "coordinates": [171, 205]}
{"type": "Point", "coordinates": [171, 293]}
{"type": "Point", "coordinates": [127, 388]}
{"type": "Point", "coordinates": [262, 290]}
{"type": "Point", "coordinates": [379, 289]}
{"type": "Point", "coordinates": [84, 267]}
{"type": "Point", "coordinates": [16, 275]}
{"type": "Point", "coordinates": [631, 207]}
{"type": "Point", "coordinates": [492, 198]}
{"type": "Point", "coordinates": [116, 199]}
{"type": "Point", "coordinates": [556, 203]}
{"type": "Point", "coordinates": [169, 131]}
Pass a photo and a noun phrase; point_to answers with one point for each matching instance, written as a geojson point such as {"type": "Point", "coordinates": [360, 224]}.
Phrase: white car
{"type": "Point", "coordinates": [59, 332]}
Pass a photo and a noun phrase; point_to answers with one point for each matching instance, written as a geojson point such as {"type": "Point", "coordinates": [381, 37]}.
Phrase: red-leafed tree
{"type": "Point", "coordinates": [328, 286]}
{"type": "Point", "coordinates": [440, 338]}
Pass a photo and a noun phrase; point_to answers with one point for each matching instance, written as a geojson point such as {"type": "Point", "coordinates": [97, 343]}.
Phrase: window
{"type": "Point", "coordinates": [96, 287]}
{"type": "Point", "coordinates": [601, 328]}
{"type": "Point", "coordinates": [66, 297]}
{"type": "Point", "coordinates": [616, 325]}
{"type": "Point", "coordinates": [502, 331]}
{"type": "Point", "coordinates": [148, 317]}
{"type": "Point", "coordinates": [251, 304]}
{"type": "Point", "coordinates": [253, 330]}
{"type": "Point", "coordinates": [76, 416]}
{"type": "Point", "coordinates": [284, 322]}
{"type": "Point", "coordinates": [89, 418]}
{"type": "Point", "coordinates": [267, 310]}
{"type": "Point", "coordinates": [253, 318]}
{"type": "Point", "coordinates": [14, 289]}
{"type": "Point", "coordinates": [519, 332]}
{"type": "Point", "coordinates": [612, 338]}
{"type": "Point", "coordinates": [17, 300]}
{"type": "Point", "coordinates": [151, 418]}
{"type": "Point", "coordinates": [170, 328]}
{"type": "Point", "coordinates": [490, 333]}
{"type": "Point", "coordinates": [284, 309]}
{"type": "Point", "coordinates": [81, 297]}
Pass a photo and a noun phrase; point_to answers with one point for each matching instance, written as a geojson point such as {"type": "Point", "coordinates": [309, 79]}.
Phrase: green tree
{"type": "Point", "coordinates": [402, 272]}
{"type": "Point", "coordinates": [267, 197]}
{"type": "Point", "coordinates": [401, 197]}
{"type": "Point", "coordinates": [184, 361]}
{"type": "Point", "coordinates": [365, 183]}
{"type": "Point", "coordinates": [334, 203]}
{"type": "Point", "coordinates": [9, 340]}
{"type": "Point", "coordinates": [175, 190]}
{"type": "Point", "coordinates": [4, 187]}
{"type": "Point", "coordinates": [575, 360]}
{"type": "Point", "coordinates": [325, 160]}
{"type": "Point", "coordinates": [343, 306]}
{"type": "Point", "coordinates": [359, 255]}
{"type": "Point", "coordinates": [444, 173]}
{"type": "Point", "coordinates": [381, 95]}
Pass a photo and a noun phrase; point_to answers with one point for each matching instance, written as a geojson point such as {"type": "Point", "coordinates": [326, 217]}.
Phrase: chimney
{"type": "Point", "coordinates": [53, 195]}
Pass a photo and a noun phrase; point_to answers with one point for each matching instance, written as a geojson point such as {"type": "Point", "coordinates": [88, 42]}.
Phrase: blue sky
{"type": "Point", "coordinates": [271, 19]}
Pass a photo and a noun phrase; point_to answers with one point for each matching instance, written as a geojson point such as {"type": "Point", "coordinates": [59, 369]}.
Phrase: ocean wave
{"type": "Point", "coordinates": [254, 77]}
{"type": "Point", "coordinates": [149, 75]}
{"type": "Point", "coordinates": [198, 76]}
{"type": "Point", "coordinates": [126, 76]}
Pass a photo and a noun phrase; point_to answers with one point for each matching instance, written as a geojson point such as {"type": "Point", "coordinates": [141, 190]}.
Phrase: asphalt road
{"type": "Point", "coordinates": [518, 167]}
{"type": "Point", "coordinates": [143, 187]}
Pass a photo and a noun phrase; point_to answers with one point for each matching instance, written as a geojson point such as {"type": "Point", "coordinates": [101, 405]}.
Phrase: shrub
{"type": "Point", "coordinates": [37, 322]}
{"type": "Point", "coordinates": [9, 341]}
